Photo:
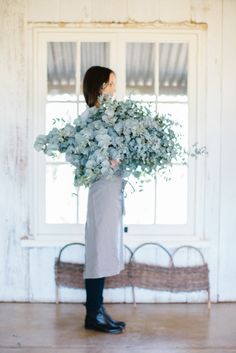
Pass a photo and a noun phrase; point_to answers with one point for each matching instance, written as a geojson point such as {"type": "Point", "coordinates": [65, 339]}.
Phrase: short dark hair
{"type": "Point", "coordinates": [94, 78]}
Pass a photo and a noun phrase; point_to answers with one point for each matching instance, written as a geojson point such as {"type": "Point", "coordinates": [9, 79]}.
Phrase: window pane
{"type": "Point", "coordinates": [173, 100]}
{"type": "Point", "coordinates": [59, 110]}
{"type": "Point", "coordinates": [173, 69]}
{"type": "Point", "coordinates": [139, 206]}
{"type": "Point", "coordinates": [178, 112]}
{"type": "Point", "coordinates": [61, 201]}
{"type": "Point", "coordinates": [171, 197]}
{"type": "Point", "coordinates": [61, 70]}
{"type": "Point", "coordinates": [140, 69]}
{"type": "Point", "coordinates": [173, 72]}
{"type": "Point", "coordinates": [93, 54]}
{"type": "Point", "coordinates": [61, 83]}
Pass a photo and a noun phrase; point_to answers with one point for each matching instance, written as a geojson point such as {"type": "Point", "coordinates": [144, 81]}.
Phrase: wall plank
{"type": "Point", "coordinates": [14, 203]}
{"type": "Point", "coordinates": [174, 12]}
{"type": "Point", "coordinates": [213, 136]}
{"type": "Point", "coordinates": [43, 10]}
{"type": "Point", "coordinates": [199, 10]}
{"type": "Point", "coordinates": [75, 11]}
{"type": "Point", "coordinates": [107, 10]}
{"type": "Point", "coordinates": [137, 13]}
{"type": "Point", "coordinates": [227, 252]}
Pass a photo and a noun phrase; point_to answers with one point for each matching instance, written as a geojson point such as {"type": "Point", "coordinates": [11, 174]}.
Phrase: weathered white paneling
{"type": "Point", "coordinates": [213, 136]}
{"type": "Point", "coordinates": [174, 13]}
{"type": "Point", "coordinates": [75, 11]}
{"type": "Point", "coordinates": [41, 273]}
{"type": "Point", "coordinates": [42, 278]}
{"type": "Point", "coordinates": [199, 10]}
{"type": "Point", "coordinates": [13, 151]}
{"type": "Point", "coordinates": [43, 10]}
{"type": "Point", "coordinates": [136, 11]}
{"type": "Point", "coordinates": [71, 11]}
{"type": "Point", "coordinates": [107, 10]}
{"type": "Point", "coordinates": [227, 253]}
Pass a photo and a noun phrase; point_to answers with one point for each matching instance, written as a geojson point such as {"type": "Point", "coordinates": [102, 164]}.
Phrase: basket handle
{"type": "Point", "coordinates": [66, 246]}
{"type": "Point", "coordinates": [155, 244]}
{"type": "Point", "coordinates": [129, 250]}
{"type": "Point", "coordinates": [190, 247]}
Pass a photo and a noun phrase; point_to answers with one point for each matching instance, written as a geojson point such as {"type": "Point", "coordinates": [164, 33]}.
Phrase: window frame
{"type": "Point", "coordinates": [194, 230]}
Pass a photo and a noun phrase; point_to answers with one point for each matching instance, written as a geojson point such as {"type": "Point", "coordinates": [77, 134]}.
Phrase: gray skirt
{"type": "Point", "coordinates": [104, 228]}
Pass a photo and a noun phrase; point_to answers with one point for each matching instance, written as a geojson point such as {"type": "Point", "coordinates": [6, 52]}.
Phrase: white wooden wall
{"type": "Point", "coordinates": [27, 273]}
{"type": "Point", "coordinates": [13, 151]}
{"type": "Point", "coordinates": [227, 207]}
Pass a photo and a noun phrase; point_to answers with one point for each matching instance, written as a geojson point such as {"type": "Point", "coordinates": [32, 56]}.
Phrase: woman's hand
{"type": "Point", "coordinates": [114, 163]}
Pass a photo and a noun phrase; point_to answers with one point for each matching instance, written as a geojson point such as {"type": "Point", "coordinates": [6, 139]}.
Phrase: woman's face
{"type": "Point", "coordinates": [110, 86]}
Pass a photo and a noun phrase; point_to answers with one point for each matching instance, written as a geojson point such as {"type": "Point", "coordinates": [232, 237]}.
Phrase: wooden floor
{"type": "Point", "coordinates": [151, 328]}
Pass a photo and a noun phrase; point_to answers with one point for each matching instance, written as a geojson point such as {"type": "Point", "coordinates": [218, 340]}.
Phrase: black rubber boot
{"type": "Point", "coordinates": [97, 321]}
{"type": "Point", "coordinates": [110, 320]}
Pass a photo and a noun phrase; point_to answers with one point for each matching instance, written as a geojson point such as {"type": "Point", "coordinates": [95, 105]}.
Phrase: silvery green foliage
{"type": "Point", "coordinates": [143, 142]}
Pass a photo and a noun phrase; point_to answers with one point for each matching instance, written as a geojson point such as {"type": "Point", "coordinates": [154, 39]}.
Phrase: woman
{"type": "Point", "coordinates": [103, 231]}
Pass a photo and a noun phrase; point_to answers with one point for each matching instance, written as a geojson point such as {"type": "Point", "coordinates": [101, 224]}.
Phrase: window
{"type": "Point", "coordinates": [161, 68]}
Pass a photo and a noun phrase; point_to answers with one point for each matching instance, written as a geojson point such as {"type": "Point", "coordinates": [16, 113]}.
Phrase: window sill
{"type": "Point", "coordinates": [130, 240]}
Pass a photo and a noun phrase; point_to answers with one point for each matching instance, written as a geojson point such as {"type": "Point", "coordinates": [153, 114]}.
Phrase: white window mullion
{"type": "Point", "coordinates": [120, 66]}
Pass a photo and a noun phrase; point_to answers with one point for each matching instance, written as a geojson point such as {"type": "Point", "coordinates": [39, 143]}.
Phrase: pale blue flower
{"type": "Point", "coordinates": [40, 142]}
{"type": "Point", "coordinates": [68, 130]}
{"type": "Point", "coordinates": [143, 142]}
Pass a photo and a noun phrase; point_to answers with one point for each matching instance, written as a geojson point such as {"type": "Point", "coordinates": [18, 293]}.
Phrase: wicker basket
{"type": "Point", "coordinates": [135, 274]}
{"type": "Point", "coordinates": [171, 278]}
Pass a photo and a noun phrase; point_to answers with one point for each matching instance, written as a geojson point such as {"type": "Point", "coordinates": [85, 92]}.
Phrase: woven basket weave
{"type": "Point", "coordinates": [174, 279]}
{"type": "Point", "coordinates": [69, 275]}
{"type": "Point", "coordinates": [171, 278]}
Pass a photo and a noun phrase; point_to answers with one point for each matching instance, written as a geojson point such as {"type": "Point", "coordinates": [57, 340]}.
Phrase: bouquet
{"type": "Point", "coordinates": [127, 131]}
